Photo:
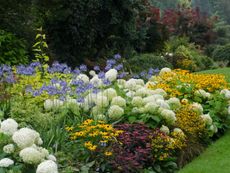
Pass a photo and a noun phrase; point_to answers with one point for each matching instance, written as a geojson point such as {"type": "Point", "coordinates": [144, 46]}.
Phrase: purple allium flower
{"type": "Point", "coordinates": [101, 75]}
{"type": "Point", "coordinates": [83, 67]}
{"type": "Point", "coordinates": [117, 56]}
{"type": "Point", "coordinates": [96, 68]}
{"type": "Point", "coordinates": [95, 90]}
{"type": "Point", "coordinates": [143, 74]}
{"type": "Point", "coordinates": [80, 100]}
{"type": "Point", "coordinates": [35, 64]}
{"type": "Point", "coordinates": [108, 67]}
{"type": "Point", "coordinates": [36, 93]}
{"type": "Point", "coordinates": [119, 67]}
{"type": "Point", "coordinates": [10, 79]}
{"type": "Point", "coordinates": [106, 82]}
{"type": "Point", "coordinates": [135, 76]}
{"type": "Point", "coordinates": [121, 75]}
{"type": "Point", "coordinates": [23, 70]}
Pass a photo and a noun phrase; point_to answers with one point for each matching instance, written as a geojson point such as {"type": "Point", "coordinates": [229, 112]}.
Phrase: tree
{"type": "Point", "coordinates": [79, 29]}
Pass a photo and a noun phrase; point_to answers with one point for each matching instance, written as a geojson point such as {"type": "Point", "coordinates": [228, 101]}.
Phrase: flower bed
{"type": "Point", "coordinates": [107, 120]}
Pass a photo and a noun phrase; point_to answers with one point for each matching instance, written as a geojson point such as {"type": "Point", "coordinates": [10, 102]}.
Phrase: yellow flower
{"type": "Point", "coordinates": [92, 148]}
{"type": "Point", "coordinates": [69, 129]}
{"type": "Point", "coordinates": [107, 153]}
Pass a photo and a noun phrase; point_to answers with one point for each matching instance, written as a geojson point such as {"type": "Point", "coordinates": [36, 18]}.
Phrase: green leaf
{"type": "Point", "coordinates": [132, 119]}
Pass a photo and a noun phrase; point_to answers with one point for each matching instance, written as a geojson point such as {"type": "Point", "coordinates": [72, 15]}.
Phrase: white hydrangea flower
{"type": "Point", "coordinates": [121, 83]}
{"type": "Point", "coordinates": [142, 92]}
{"type": "Point", "coordinates": [140, 82]}
{"type": "Point", "coordinates": [162, 104]}
{"type": "Point", "coordinates": [130, 84]}
{"type": "Point", "coordinates": [153, 98]}
{"type": "Point", "coordinates": [90, 98]}
{"type": "Point", "coordinates": [71, 101]}
{"type": "Point", "coordinates": [174, 103]}
{"type": "Point", "coordinates": [165, 129]}
{"type": "Point", "coordinates": [137, 87]}
{"type": "Point", "coordinates": [165, 70]}
{"type": "Point", "coordinates": [92, 73]}
{"type": "Point", "coordinates": [169, 116]}
{"type": "Point", "coordinates": [9, 126]}
{"type": "Point", "coordinates": [202, 93]}
{"type": "Point", "coordinates": [196, 107]}
{"type": "Point", "coordinates": [31, 155]}
{"type": "Point", "coordinates": [226, 93]}
{"type": "Point", "coordinates": [229, 110]}
{"type": "Point", "coordinates": [160, 91]}
{"type": "Point", "coordinates": [115, 112]}
{"type": "Point", "coordinates": [110, 93]}
{"type": "Point", "coordinates": [52, 157]}
{"type": "Point", "coordinates": [39, 141]}
{"type": "Point", "coordinates": [99, 117]}
{"type": "Point", "coordinates": [6, 162]}
{"type": "Point", "coordinates": [25, 137]}
{"type": "Point", "coordinates": [44, 152]}
{"type": "Point", "coordinates": [101, 101]}
{"type": "Point", "coordinates": [9, 148]}
{"type": "Point", "coordinates": [84, 78]}
{"type": "Point", "coordinates": [49, 104]}
{"type": "Point", "coordinates": [178, 130]}
{"type": "Point", "coordinates": [213, 128]}
{"type": "Point", "coordinates": [47, 166]}
{"type": "Point", "coordinates": [151, 107]}
{"type": "Point", "coordinates": [96, 81]}
{"type": "Point", "coordinates": [207, 119]}
{"type": "Point", "coordinates": [96, 110]}
{"type": "Point", "coordinates": [130, 94]}
{"type": "Point", "coordinates": [111, 75]}
{"type": "Point", "coordinates": [137, 101]}
{"type": "Point", "coordinates": [119, 101]}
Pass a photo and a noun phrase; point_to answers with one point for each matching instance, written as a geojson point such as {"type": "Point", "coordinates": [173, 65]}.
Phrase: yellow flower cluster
{"type": "Point", "coordinates": [173, 81]}
{"type": "Point", "coordinates": [95, 135]}
{"type": "Point", "coordinates": [190, 122]}
{"type": "Point", "coordinates": [164, 146]}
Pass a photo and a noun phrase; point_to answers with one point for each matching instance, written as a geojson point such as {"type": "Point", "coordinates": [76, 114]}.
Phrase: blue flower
{"type": "Point", "coordinates": [101, 75]}
{"type": "Point", "coordinates": [119, 67]}
{"type": "Point", "coordinates": [96, 68]}
{"type": "Point", "coordinates": [80, 100]}
{"type": "Point", "coordinates": [76, 71]}
{"type": "Point", "coordinates": [121, 75]}
{"type": "Point", "coordinates": [117, 56]}
{"type": "Point", "coordinates": [106, 82]}
{"type": "Point", "coordinates": [83, 67]}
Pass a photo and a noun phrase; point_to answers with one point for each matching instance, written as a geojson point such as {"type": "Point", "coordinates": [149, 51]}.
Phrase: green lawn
{"type": "Point", "coordinates": [216, 158]}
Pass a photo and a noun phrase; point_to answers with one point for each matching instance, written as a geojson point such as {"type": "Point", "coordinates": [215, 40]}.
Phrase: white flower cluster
{"type": "Point", "coordinates": [8, 126]}
{"type": "Point", "coordinates": [203, 94]}
{"type": "Point", "coordinates": [196, 107]}
{"type": "Point", "coordinates": [226, 93]}
{"type": "Point", "coordinates": [27, 143]}
{"type": "Point", "coordinates": [50, 104]}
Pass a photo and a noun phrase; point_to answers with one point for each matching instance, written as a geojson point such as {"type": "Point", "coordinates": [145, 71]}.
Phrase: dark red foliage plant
{"type": "Point", "coordinates": [190, 22]}
{"type": "Point", "coordinates": [133, 150]}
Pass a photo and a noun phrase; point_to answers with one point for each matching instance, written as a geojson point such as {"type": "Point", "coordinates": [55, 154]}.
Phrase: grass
{"type": "Point", "coordinates": [216, 158]}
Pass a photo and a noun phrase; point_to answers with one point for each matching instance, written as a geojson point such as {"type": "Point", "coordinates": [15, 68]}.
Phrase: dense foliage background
{"type": "Point", "coordinates": [90, 31]}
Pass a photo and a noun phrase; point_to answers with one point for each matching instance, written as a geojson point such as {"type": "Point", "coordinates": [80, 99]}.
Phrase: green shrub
{"type": "Point", "coordinates": [12, 49]}
{"type": "Point", "coordinates": [222, 53]}
{"type": "Point", "coordinates": [182, 54]}
{"type": "Point", "coordinates": [146, 61]}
